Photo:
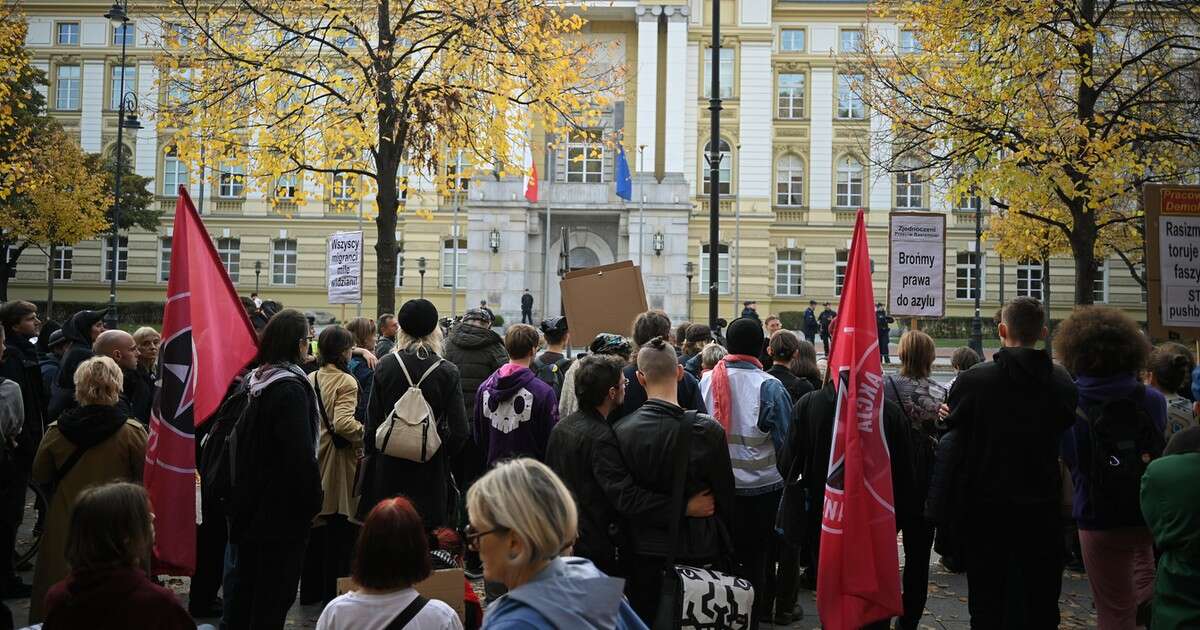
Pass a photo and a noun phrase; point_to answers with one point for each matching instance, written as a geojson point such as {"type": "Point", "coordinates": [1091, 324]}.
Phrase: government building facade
{"type": "Point", "coordinates": [797, 166]}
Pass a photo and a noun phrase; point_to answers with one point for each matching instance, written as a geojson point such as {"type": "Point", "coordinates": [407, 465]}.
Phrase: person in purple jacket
{"type": "Point", "coordinates": [514, 409]}
{"type": "Point", "coordinates": [1106, 352]}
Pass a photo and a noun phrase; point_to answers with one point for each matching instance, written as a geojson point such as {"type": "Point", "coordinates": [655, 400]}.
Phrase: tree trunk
{"type": "Point", "coordinates": [1083, 246]}
{"type": "Point", "coordinates": [392, 131]}
{"type": "Point", "coordinates": [385, 243]}
{"type": "Point", "coordinates": [1046, 295]}
{"type": "Point", "coordinates": [50, 284]}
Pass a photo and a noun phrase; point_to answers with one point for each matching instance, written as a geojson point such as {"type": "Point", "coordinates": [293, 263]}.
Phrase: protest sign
{"type": "Point", "coordinates": [344, 264]}
{"type": "Point", "coordinates": [1173, 260]}
{"type": "Point", "coordinates": [917, 264]}
{"type": "Point", "coordinates": [604, 299]}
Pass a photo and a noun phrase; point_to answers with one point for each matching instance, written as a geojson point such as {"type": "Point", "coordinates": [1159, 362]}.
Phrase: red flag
{"type": "Point", "coordinates": [206, 340]}
{"type": "Point", "coordinates": [531, 183]}
{"type": "Point", "coordinates": [858, 581]}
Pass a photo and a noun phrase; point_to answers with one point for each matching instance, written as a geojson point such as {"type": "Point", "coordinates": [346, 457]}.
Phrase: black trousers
{"type": "Point", "coordinates": [787, 577]}
{"type": "Point", "coordinates": [12, 512]}
{"type": "Point", "coordinates": [268, 572]}
{"type": "Point", "coordinates": [526, 316]}
{"type": "Point", "coordinates": [753, 530]}
{"type": "Point", "coordinates": [210, 560]}
{"type": "Point", "coordinates": [918, 542]}
{"type": "Point", "coordinates": [327, 558]}
{"type": "Point", "coordinates": [825, 341]}
{"type": "Point", "coordinates": [1014, 570]}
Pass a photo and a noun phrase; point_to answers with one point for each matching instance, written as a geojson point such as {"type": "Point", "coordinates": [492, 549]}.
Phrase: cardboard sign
{"type": "Point", "coordinates": [1173, 260]}
{"type": "Point", "coordinates": [604, 299]}
{"type": "Point", "coordinates": [445, 585]}
{"type": "Point", "coordinates": [917, 264]}
{"type": "Point", "coordinates": [344, 264]}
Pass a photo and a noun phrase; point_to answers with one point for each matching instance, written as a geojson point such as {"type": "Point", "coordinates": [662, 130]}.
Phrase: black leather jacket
{"type": "Point", "coordinates": [647, 440]}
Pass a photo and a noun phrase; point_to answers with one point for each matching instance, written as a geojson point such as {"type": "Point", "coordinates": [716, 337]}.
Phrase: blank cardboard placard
{"type": "Point", "coordinates": [444, 584]}
{"type": "Point", "coordinates": [604, 299]}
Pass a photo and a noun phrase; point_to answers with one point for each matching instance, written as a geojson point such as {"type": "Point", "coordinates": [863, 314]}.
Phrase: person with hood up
{"type": "Point", "coordinates": [1170, 500]}
{"type": "Point", "coordinates": [604, 343]}
{"type": "Point", "coordinates": [514, 409]}
{"type": "Point", "coordinates": [477, 351]}
{"type": "Point", "coordinates": [1006, 419]}
{"type": "Point", "coordinates": [91, 444]}
{"type": "Point", "coordinates": [523, 523]}
{"type": "Point", "coordinates": [81, 332]}
{"type": "Point", "coordinates": [56, 345]}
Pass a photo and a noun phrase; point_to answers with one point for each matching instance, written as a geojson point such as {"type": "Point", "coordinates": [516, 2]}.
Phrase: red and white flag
{"type": "Point", "coordinates": [531, 183]}
{"type": "Point", "coordinates": [207, 340]}
{"type": "Point", "coordinates": [858, 581]}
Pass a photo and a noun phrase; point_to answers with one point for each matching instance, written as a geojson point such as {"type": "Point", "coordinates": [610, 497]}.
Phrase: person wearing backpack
{"type": "Point", "coordinates": [514, 409]}
{"type": "Point", "coordinates": [551, 365]}
{"type": "Point", "coordinates": [416, 420]}
{"type": "Point", "coordinates": [274, 476]}
{"type": "Point", "coordinates": [1117, 432]}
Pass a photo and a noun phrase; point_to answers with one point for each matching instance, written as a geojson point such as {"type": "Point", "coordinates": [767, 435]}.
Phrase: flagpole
{"type": "Point", "coordinates": [714, 168]}
{"type": "Point", "coordinates": [546, 240]}
{"type": "Point", "coordinates": [454, 237]}
{"type": "Point", "coordinates": [641, 205]}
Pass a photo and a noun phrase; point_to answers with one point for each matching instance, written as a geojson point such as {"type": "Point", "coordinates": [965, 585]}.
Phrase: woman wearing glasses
{"type": "Point", "coordinates": [523, 523]}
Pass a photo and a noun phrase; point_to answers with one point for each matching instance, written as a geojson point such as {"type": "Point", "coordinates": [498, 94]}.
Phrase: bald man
{"type": "Point", "coordinates": [138, 396]}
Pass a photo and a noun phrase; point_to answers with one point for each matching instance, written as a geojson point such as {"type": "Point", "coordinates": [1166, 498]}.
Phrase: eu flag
{"type": "Point", "coordinates": [624, 179]}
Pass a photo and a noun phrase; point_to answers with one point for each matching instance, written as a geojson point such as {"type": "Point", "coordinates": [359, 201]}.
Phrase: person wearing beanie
{"type": "Point", "coordinates": [416, 360]}
{"type": "Point", "coordinates": [604, 343]}
{"type": "Point", "coordinates": [81, 332]}
{"type": "Point", "coordinates": [755, 410]}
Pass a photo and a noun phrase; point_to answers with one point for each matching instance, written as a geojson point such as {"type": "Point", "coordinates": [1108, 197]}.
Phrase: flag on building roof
{"type": "Point", "coordinates": [624, 179]}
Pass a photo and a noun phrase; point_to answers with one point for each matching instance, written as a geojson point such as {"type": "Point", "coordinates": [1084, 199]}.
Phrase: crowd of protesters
{"type": "Point", "coordinates": [383, 450]}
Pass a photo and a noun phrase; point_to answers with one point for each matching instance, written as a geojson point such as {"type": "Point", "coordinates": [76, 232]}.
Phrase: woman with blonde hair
{"type": "Point", "coordinates": [91, 444]}
{"type": "Point", "coordinates": [363, 329]}
{"type": "Point", "coordinates": [523, 523]}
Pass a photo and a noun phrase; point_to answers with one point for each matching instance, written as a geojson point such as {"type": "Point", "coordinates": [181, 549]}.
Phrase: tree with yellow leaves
{"type": "Point", "coordinates": [1057, 111]}
{"type": "Point", "coordinates": [20, 104]}
{"type": "Point", "coordinates": [335, 92]}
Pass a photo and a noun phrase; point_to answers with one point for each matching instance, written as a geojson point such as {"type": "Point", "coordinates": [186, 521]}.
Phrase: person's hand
{"type": "Point", "coordinates": [367, 356]}
{"type": "Point", "coordinates": [943, 411]}
{"type": "Point", "coordinates": [701, 505]}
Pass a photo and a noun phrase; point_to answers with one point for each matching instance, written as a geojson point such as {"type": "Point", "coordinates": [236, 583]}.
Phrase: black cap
{"type": "Point", "coordinates": [554, 324]}
{"type": "Point", "coordinates": [56, 338]}
{"type": "Point", "coordinates": [418, 318]}
{"type": "Point", "coordinates": [478, 314]}
{"type": "Point", "coordinates": [745, 336]}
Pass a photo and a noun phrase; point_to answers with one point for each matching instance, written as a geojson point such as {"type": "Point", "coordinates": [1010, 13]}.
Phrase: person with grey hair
{"type": "Point", "coordinates": [388, 327]}
{"type": "Point", "coordinates": [523, 523]}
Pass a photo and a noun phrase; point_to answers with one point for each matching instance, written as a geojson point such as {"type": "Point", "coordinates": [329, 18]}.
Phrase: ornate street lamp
{"type": "Point", "coordinates": [127, 106]}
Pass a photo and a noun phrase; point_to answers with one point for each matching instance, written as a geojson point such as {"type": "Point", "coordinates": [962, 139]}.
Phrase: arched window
{"type": "Point", "coordinates": [725, 172]}
{"type": "Point", "coordinates": [910, 186]}
{"type": "Point", "coordinates": [849, 183]}
{"type": "Point", "coordinates": [789, 181]}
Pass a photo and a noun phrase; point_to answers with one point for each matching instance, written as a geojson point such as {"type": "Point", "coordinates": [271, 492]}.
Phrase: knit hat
{"type": "Point", "coordinates": [554, 324]}
{"type": "Point", "coordinates": [608, 343]}
{"type": "Point", "coordinates": [418, 318]}
{"type": "Point", "coordinates": [479, 315]}
{"type": "Point", "coordinates": [56, 338]}
{"type": "Point", "coordinates": [745, 336]}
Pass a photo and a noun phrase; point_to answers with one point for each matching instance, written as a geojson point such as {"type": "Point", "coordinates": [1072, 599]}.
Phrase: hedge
{"type": "Point", "coordinates": [140, 312]}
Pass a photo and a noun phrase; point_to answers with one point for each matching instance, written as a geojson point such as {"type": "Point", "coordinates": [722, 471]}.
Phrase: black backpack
{"type": "Point", "coordinates": [1122, 441]}
{"type": "Point", "coordinates": [553, 374]}
{"type": "Point", "coordinates": [216, 476]}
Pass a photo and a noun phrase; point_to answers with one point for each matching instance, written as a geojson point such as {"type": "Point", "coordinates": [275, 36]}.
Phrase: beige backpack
{"type": "Point", "coordinates": [410, 431]}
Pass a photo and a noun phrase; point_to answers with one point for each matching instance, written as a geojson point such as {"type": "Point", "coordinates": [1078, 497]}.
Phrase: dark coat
{"type": "Point", "coordinates": [21, 366]}
{"type": "Point", "coordinates": [750, 313]}
{"type": "Point", "coordinates": [112, 599]}
{"type": "Point", "coordinates": [477, 352]}
{"type": "Point", "coordinates": [527, 302]}
{"type": "Point", "coordinates": [796, 387]}
{"type": "Point", "coordinates": [425, 484]}
{"type": "Point", "coordinates": [811, 325]}
{"type": "Point", "coordinates": [78, 332]}
{"type": "Point", "coordinates": [647, 442]}
{"type": "Point", "coordinates": [824, 319]}
{"type": "Point", "coordinates": [139, 394]}
{"type": "Point", "coordinates": [583, 451]}
{"type": "Point", "coordinates": [688, 393]}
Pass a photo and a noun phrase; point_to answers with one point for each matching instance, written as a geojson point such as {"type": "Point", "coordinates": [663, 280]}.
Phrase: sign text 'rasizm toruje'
{"type": "Point", "coordinates": [1179, 256]}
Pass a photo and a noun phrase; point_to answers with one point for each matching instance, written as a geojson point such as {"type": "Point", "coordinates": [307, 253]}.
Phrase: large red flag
{"type": "Point", "coordinates": [858, 581]}
{"type": "Point", "coordinates": [531, 183]}
{"type": "Point", "coordinates": [207, 340]}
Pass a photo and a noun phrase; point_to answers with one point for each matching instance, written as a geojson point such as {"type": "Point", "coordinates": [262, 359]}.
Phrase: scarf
{"type": "Point", "coordinates": [722, 400]}
{"type": "Point", "coordinates": [90, 425]}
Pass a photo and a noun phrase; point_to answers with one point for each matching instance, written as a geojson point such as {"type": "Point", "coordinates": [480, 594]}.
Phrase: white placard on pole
{"type": "Point", "coordinates": [917, 264]}
{"type": "Point", "coordinates": [1173, 268]}
{"type": "Point", "coordinates": [344, 264]}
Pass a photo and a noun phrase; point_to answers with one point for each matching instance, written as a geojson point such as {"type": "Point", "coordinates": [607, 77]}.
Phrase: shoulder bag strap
{"type": "Point", "coordinates": [321, 405]}
{"type": "Point", "coordinates": [427, 372]}
{"type": "Point", "coordinates": [63, 470]}
{"type": "Point", "coordinates": [408, 614]}
{"type": "Point", "coordinates": [404, 368]}
{"type": "Point", "coordinates": [683, 440]}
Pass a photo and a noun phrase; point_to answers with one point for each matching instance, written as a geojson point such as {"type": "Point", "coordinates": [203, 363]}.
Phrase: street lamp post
{"type": "Point", "coordinates": [641, 204]}
{"type": "Point", "coordinates": [257, 274]}
{"type": "Point", "coordinates": [421, 270]}
{"type": "Point", "coordinates": [976, 323]}
{"type": "Point", "coordinates": [691, 271]}
{"type": "Point", "coordinates": [118, 17]}
{"type": "Point", "coordinates": [714, 167]}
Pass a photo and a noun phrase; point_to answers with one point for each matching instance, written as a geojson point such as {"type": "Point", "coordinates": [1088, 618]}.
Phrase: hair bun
{"type": "Point", "coordinates": [657, 343]}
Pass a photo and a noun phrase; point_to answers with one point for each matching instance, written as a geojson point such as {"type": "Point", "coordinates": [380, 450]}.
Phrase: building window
{"type": "Point", "coordinates": [287, 185]}
{"type": "Point", "coordinates": [789, 272]}
{"type": "Point", "coordinates": [722, 269]}
{"type": "Point", "coordinates": [910, 188]}
{"type": "Point", "coordinates": [345, 186]}
{"type": "Point", "coordinates": [66, 88]}
{"type": "Point", "coordinates": [1100, 283]}
{"type": "Point", "coordinates": [791, 40]}
{"type": "Point", "coordinates": [1029, 279]}
{"type": "Point", "coordinates": [966, 284]}
{"type": "Point", "coordinates": [402, 182]}
{"type": "Point", "coordinates": [849, 184]}
{"type": "Point", "coordinates": [726, 73]}
{"type": "Point", "coordinates": [791, 96]}
{"type": "Point", "coordinates": [232, 180]}
{"type": "Point", "coordinates": [585, 157]}
{"type": "Point", "coordinates": [850, 104]}
{"type": "Point", "coordinates": [852, 40]}
{"type": "Point", "coordinates": [230, 252]}
{"type": "Point", "coordinates": [12, 269]}
{"type": "Point", "coordinates": [458, 174]}
{"type": "Point", "coordinates": [789, 181]}
{"type": "Point", "coordinates": [175, 174]}
{"type": "Point", "coordinates": [283, 262]}
{"type": "Point", "coordinates": [118, 89]}
{"type": "Point", "coordinates": [450, 248]}
{"type": "Point", "coordinates": [969, 203]}
{"type": "Point", "coordinates": [908, 42]}
{"type": "Point", "coordinates": [841, 259]}
{"type": "Point", "coordinates": [68, 33]}
{"type": "Point", "coordinates": [164, 259]}
{"type": "Point", "coordinates": [124, 34]}
{"type": "Point", "coordinates": [122, 259]}
{"type": "Point", "coordinates": [724, 172]}
{"type": "Point", "coordinates": [64, 261]}
{"type": "Point", "coordinates": [399, 264]}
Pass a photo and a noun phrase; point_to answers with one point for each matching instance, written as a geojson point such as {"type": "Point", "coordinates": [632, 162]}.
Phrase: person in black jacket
{"type": "Point", "coordinates": [647, 326]}
{"type": "Point", "coordinates": [138, 395]}
{"type": "Point", "coordinates": [823, 321]}
{"type": "Point", "coordinates": [276, 481]}
{"type": "Point", "coordinates": [811, 325]}
{"type": "Point", "coordinates": [647, 439]}
{"type": "Point", "coordinates": [781, 348]}
{"type": "Point", "coordinates": [427, 484]}
{"type": "Point", "coordinates": [883, 323]}
{"type": "Point", "coordinates": [1010, 414]}
{"type": "Point", "coordinates": [81, 331]}
{"type": "Point", "coordinates": [526, 308]}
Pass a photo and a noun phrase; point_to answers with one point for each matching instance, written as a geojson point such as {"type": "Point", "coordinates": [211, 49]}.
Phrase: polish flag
{"type": "Point", "coordinates": [531, 183]}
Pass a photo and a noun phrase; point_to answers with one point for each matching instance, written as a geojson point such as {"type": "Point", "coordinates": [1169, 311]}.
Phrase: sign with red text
{"type": "Point", "coordinates": [1173, 260]}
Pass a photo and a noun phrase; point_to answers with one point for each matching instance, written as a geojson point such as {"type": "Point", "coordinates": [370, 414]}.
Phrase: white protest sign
{"type": "Point", "coordinates": [917, 264]}
{"type": "Point", "coordinates": [1179, 257]}
{"type": "Point", "coordinates": [344, 263]}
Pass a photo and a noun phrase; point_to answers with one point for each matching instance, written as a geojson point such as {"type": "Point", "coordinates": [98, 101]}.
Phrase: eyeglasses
{"type": "Point", "coordinates": [622, 384]}
{"type": "Point", "coordinates": [473, 535]}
